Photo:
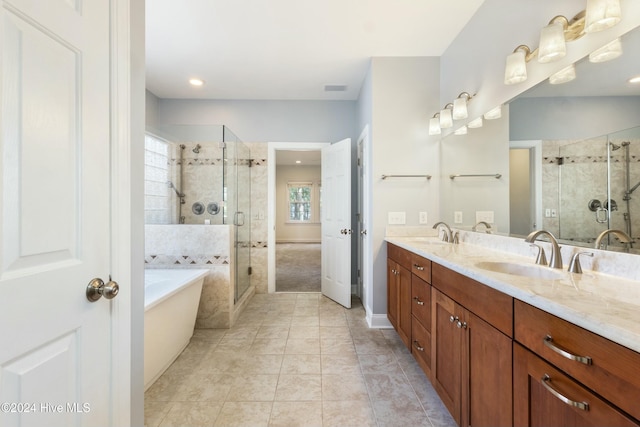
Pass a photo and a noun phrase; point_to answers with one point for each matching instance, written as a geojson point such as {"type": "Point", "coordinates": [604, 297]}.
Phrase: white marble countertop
{"type": "Point", "coordinates": [601, 303]}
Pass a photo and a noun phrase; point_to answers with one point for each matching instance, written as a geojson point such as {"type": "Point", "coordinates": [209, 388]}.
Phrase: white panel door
{"type": "Point", "coordinates": [336, 222]}
{"type": "Point", "coordinates": [55, 351]}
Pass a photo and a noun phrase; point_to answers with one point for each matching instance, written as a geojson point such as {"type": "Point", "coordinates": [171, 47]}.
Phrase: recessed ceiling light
{"type": "Point", "coordinates": [196, 82]}
{"type": "Point", "coordinates": [335, 88]}
{"type": "Point", "coordinates": [298, 161]}
{"type": "Point", "coordinates": [635, 79]}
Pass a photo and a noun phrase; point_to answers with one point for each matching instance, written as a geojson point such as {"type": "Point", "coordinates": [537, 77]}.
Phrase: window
{"type": "Point", "coordinates": [300, 201]}
{"type": "Point", "coordinates": [157, 196]}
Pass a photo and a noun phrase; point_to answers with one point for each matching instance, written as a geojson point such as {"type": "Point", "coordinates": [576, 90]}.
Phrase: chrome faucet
{"type": "Point", "coordinates": [447, 236]}
{"type": "Point", "coordinates": [624, 237]}
{"type": "Point", "coordinates": [486, 225]}
{"type": "Point", "coordinates": [556, 257]}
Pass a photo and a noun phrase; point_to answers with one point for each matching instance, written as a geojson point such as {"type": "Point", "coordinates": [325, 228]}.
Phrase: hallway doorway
{"type": "Point", "coordinates": [298, 267]}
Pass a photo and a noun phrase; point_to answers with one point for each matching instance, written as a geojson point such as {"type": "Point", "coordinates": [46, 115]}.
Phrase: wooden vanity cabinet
{"type": "Point", "coordinates": [543, 397]}
{"type": "Point", "coordinates": [421, 312]}
{"type": "Point", "coordinates": [601, 371]}
{"type": "Point", "coordinates": [399, 291]}
{"type": "Point", "coordinates": [471, 355]}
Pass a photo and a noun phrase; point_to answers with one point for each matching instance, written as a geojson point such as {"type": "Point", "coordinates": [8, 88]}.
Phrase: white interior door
{"type": "Point", "coordinates": [55, 356]}
{"type": "Point", "coordinates": [336, 222]}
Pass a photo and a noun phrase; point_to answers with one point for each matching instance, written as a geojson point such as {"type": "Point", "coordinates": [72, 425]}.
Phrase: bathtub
{"type": "Point", "coordinates": [170, 306]}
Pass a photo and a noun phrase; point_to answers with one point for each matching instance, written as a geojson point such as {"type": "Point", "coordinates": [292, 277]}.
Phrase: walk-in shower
{"type": "Point", "coordinates": [201, 175]}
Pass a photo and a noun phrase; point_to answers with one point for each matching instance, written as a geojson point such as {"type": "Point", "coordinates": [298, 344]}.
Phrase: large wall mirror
{"type": "Point", "coordinates": [569, 154]}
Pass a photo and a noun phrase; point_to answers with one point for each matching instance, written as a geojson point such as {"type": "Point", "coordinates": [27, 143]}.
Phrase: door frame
{"type": "Point", "coordinates": [127, 222]}
{"type": "Point", "coordinates": [271, 199]}
{"type": "Point", "coordinates": [535, 153]}
{"type": "Point", "coordinates": [366, 210]}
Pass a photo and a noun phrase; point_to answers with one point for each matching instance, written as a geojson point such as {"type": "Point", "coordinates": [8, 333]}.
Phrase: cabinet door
{"type": "Point", "coordinates": [445, 353]}
{"type": "Point", "coordinates": [545, 397]}
{"type": "Point", "coordinates": [392, 293]}
{"type": "Point", "coordinates": [404, 301]}
{"type": "Point", "coordinates": [487, 376]}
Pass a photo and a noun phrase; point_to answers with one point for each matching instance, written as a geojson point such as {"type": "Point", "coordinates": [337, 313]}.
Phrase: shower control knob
{"type": "Point", "coordinates": [97, 289]}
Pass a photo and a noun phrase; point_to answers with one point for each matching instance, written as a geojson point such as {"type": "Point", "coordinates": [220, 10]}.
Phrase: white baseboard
{"type": "Point", "coordinates": [378, 321]}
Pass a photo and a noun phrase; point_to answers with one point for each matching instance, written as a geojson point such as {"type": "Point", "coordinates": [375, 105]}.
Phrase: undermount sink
{"type": "Point", "coordinates": [534, 271]}
{"type": "Point", "coordinates": [428, 240]}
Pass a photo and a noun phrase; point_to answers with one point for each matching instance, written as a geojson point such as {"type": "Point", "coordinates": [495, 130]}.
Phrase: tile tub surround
{"type": "Point", "coordinates": [295, 360]}
{"type": "Point", "coordinates": [199, 246]}
{"type": "Point", "coordinates": [603, 303]}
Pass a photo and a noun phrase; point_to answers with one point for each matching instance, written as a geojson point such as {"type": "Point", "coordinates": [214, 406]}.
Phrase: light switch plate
{"type": "Point", "coordinates": [397, 218]}
{"type": "Point", "coordinates": [486, 216]}
{"type": "Point", "coordinates": [457, 217]}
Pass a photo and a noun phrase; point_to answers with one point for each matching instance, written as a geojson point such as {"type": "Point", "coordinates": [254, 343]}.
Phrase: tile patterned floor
{"type": "Point", "coordinates": [295, 360]}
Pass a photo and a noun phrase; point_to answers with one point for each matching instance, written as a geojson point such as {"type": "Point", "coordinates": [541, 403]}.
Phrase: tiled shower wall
{"type": "Point", "coordinates": [259, 173]}
{"type": "Point", "coordinates": [583, 177]}
{"type": "Point", "coordinates": [198, 246]}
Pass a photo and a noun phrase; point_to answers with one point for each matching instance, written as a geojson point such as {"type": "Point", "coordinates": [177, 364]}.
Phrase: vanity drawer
{"type": "Point", "coordinates": [421, 346]}
{"type": "Point", "coordinates": [399, 255]}
{"type": "Point", "coordinates": [613, 369]}
{"type": "Point", "coordinates": [421, 267]}
{"type": "Point", "coordinates": [421, 301]}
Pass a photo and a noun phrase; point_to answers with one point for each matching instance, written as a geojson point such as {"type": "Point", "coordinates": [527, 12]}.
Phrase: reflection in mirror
{"type": "Point", "coordinates": [580, 162]}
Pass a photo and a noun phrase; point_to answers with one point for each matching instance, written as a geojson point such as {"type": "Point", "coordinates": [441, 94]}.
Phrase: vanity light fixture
{"type": "Point", "coordinates": [601, 14]}
{"type": "Point", "coordinates": [494, 113]}
{"type": "Point", "coordinates": [434, 125]}
{"type": "Point", "coordinates": [634, 80]}
{"type": "Point", "coordinates": [446, 120]}
{"type": "Point", "coordinates": [461, 131]}
{"type": "Point", "coordinates": [607, 52]}
{"type": "Point", "coordinates": [553, 45]}
{"type": "Point", "coordinates": [196, 82]}
{"type": "Point", "coordinates": [563, 76]}
{"type": "Point", "coordinates": [516, 69]}
{"type": "Point", "coordinates": [460, 106]}
{"type": "Point", "coordinates": [475, 123]}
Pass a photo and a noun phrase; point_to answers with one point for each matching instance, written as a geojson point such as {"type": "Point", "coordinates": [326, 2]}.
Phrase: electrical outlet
{"type": "Point", "coordinates": [397, 218]}
{"type": "Point", "coordinates": [553, 213]}
{"type": "Point", "coordinates": [457, 217]}
{"type": "Point", "coordinates": [547, 213]}
{"type": "Point", "coordinates": [423, 218]}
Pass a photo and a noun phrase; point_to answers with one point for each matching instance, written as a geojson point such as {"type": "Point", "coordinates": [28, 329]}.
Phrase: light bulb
{"type": "Point", "coordinates": [601, 14]}
{"type": "Point", "coordinates": [552, 43]}
{"type": "Point", "coordinates": [515, 70]}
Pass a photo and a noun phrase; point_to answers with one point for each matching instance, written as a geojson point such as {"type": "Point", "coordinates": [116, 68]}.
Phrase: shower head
{"type": "Point", "coordinates": [178, 192]}
{"type": "Point", "coordinates": [614, 147]}
{"type": "Point", "coordinates": [196, 149]}
{"type": "Point", "coordinates": [625, 143]}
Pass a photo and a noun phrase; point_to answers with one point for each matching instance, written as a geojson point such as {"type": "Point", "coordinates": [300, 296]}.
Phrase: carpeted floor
{"type": "Point", "coordinates": [298, 267]}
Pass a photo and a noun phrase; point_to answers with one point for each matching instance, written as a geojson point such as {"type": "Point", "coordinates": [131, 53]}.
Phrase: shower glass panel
{"type": "Point", "coordinates": [582, 208]}
{"type": "Point", "coordinates": [237, 179]}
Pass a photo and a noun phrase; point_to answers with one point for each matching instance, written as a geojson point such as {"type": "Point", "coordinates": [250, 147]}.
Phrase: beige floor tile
{"type": "Point", "coordinates": [243, 414]}
{"type": "Point", "coordinates": [301, 364]}
{"type": "Point", "coordinates": [211, 335]}
{"type": "Point", "coordinates": [335, 332]}
{"type": "Point", "coordinates": [303, 346]}
{"type": "Point", "coordinates": [400, 413]}
{"type": "Point", "coordinates": [268, 346]}
{"type": "Point", "coordinates": [268, 330]}
{"type": "Point", "coordinates": [369, 346]}
{"type": "Point", "coordinates": [299, 414]}
{"type": "Point", "coordinates": [253, 388]}
{"type": "Point", "coordinates": [379, 363]}
{"type": "Point", "coordinates": [166, 388]}
{"type": "Point", "coordinates": [305, 310]}
{"type": "Point", "coordinates": [299, 388]}
{"type": "Point", "coordinates": [192, 414]}
{"type": "Point", "coordinates": [344, 387]}
{"type": "Point", "coordinates": [389, 387]}
{"type": "Point", "coordinates": [340, 364]}
{"type": "Point", "coordinates": [257, 364]}
{"type": "Point", "coordinates": [299, 332]}
{"type": "Point", "coordinates": [305, 321]}
{"type": "Point", "coordinates": [206, 388]}
{"type": "Point", "coordinates": [349, 413]}
{"type": "Point", "coordinates": [154, 412]}
{"type": "Point", "coordinates": [333, 320]}
{"type": "Point", "coordinates": [233, 345]}
{"type": "Point", "coordinates": [337, 346]}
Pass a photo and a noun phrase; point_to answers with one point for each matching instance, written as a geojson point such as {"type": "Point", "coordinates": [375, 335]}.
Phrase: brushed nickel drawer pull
{"type": "Point", "coordinates": [419, 268]}
{"type": "Point", "coordinates": [416, 344]}
{"type": "Point", "coordinates": [417, 300]}
{"type": "Point", "coordinates": [548, 341]}
{"type": "Point", "coordinates": [546, 380]}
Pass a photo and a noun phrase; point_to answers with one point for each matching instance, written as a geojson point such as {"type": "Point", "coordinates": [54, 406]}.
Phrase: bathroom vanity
{"type": "Point", "coordinates": [507, 342]}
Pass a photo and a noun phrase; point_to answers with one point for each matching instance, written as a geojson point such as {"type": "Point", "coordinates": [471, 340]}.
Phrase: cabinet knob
{"type": "Point", "coordinates": [453, 319]}
{"type": "Point", "coordinates": [417, 300]}
{"type": "Point", "coordinates": [461, 325]}
{"type": "Point", "coordinates": [418, 267]}
{"type": "Point", "coordinates": [417, 346]}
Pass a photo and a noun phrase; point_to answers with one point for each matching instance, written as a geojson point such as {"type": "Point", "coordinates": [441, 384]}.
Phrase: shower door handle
{"type": "Point", "coordinates": [236, 220]}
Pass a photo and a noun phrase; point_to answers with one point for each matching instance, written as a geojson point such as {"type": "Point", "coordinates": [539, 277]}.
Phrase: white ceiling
{"type": "Point", "coordinates": [288, 49]}
{"type": "Point", "coordinates": [306, 157]}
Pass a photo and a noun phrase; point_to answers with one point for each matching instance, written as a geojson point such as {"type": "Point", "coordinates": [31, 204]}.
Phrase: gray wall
{"type": "Point", "coordinates": [267, 121]}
